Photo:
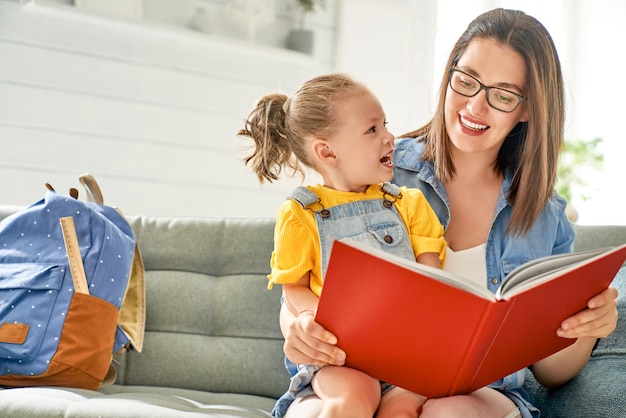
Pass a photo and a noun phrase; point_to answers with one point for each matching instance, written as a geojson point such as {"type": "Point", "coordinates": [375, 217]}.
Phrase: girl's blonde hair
{"type": "Point", "coordinates": [532, 148]}
{"type": "Point", "coordinates": [279, 125]}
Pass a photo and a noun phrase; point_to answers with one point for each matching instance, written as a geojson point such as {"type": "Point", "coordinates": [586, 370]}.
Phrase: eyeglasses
{"type": "Point", "coordinates": [498, 98]}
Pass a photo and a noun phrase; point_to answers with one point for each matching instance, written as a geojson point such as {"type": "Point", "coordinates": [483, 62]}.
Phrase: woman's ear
{"type": "Point", "coordinates": [323, 152]}
{"type": "Point", "coordinates": [524, 117]}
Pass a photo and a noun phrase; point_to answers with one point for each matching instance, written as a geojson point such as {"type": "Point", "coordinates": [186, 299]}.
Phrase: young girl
{"type": "Point", "coordinates": [336, 126]}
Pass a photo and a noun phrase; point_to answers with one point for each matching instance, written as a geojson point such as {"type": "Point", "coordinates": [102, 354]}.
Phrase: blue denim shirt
{"type": "Point", "coordinates": [552, 232]}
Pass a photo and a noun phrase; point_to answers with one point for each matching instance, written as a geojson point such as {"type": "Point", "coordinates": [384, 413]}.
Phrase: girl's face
{"type": "Point", "coordinates": [360, 148]}
{"type": "Point", "coordinates": [472, 124]}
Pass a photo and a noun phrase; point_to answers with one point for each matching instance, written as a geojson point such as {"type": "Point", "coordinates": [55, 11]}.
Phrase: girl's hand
{"type": "Point", "coordinates": [598, 320]}
{"type": "Point", "coordinates": [307, 342]}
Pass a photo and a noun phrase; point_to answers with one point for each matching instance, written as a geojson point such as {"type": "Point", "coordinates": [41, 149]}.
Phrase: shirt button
{"type": "Point", "coordinates": [494, 281]}
{"type": "Point", "coordinates": [388, 239]}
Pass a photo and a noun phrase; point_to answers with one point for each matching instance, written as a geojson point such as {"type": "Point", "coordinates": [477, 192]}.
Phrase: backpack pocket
{"type": "Point", "coordinates": [28, 292]}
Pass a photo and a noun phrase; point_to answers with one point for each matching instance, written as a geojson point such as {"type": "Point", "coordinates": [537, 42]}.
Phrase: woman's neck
{"type": "Point", "coordinates": [473, 195]}
{"type": "Point", "coordinates": [478, 167]}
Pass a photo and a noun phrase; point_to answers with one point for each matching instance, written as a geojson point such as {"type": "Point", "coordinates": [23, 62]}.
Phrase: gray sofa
{"type": "Point", "coordinates": [213, 346]}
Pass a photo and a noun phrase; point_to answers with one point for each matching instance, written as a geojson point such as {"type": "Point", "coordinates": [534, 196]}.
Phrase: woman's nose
{"type": "Point", "coordinates": [478, 104]}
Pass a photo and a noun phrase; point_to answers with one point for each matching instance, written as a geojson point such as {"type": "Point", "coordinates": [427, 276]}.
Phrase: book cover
{"type": "Point", "coordinates": [436, 334]}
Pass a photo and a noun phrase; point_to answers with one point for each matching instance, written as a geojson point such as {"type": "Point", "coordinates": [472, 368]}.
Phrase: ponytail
{"type": "Point", "coordinates": [272, 149]}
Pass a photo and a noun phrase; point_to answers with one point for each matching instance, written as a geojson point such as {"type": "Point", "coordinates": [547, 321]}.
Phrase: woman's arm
{"type": "Point", "coordinates": [597, 321]}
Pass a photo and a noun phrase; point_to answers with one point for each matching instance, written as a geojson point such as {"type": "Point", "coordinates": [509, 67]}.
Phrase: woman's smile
{"type": "Point", "coordinates": [467, 123]}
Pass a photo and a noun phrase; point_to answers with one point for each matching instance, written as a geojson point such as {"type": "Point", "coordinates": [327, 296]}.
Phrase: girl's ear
{"type": "Point", "coordinates": [323, 152]}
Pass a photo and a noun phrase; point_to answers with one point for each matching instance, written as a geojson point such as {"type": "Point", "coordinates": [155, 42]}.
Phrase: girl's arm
{"type": "Point", "coordinates": [299, 297]}
{"type": "Point", "coordinates": [430, 259]}
{"type": "Point", "coordinates": [597, 321]}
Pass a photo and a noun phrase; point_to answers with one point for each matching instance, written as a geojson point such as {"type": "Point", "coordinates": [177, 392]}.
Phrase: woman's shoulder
{"type": "Point", "coordinates": [555, 207]}
{"type": "Point", "coordinates": [558, 201]}
{"type": "Point", "coordinates": [407, 153]}
{"type": "Point", "coordinates": [410, 143]}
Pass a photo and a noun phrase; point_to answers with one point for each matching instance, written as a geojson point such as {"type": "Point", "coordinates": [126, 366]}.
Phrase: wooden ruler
{"type": "Point", "coordinates": [73, 255]}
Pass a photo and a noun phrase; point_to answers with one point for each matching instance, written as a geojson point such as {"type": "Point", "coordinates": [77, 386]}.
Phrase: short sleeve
{"type": "Point", "coordinates": [294, 244]}
{"type": "Point", "coordinates": [423, 224]}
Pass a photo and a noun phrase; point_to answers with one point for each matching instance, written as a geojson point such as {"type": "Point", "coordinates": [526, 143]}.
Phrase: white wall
{"type": "Point", "coordinates": [390, 46]}
{"type": "Point", "coordinates": [151, 108]}
{"type": "Point", "coordinates": [150, 111]}
{"type": "Point", "coordinates": [595, 61]}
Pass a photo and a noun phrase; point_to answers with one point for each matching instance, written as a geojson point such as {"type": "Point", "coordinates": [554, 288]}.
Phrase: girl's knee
{"type": "Point", "coordinates": [345, 390]}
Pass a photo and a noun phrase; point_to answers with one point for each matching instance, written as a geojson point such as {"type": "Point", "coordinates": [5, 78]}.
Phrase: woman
{"type": "Point", "coordinates": [487, 164]}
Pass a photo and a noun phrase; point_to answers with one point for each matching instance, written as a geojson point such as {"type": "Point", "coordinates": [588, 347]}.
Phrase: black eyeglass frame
{"type": "Point", "coordinates": [521, 98]}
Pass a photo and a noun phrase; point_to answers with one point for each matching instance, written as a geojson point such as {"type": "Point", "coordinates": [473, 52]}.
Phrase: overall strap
{"type": "Point", "coordinates": [391, 189]}
{"type": "Point", "coordinates": [303, 196]}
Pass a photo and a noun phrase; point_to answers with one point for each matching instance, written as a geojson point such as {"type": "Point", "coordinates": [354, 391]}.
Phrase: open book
{"type": "Point", "coordinates": [437, 334]}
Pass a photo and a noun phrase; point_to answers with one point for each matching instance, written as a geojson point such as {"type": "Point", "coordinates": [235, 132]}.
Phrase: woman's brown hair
{"type": "Point", "coordinates": [532, 148]}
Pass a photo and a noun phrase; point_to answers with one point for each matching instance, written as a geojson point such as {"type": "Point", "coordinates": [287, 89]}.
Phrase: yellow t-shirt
{"type": "Point", "coordinates": [296, 240]}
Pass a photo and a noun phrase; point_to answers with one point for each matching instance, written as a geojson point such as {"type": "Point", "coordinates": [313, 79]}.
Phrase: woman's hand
{"type": "Point", "coordinates": [598, 320]}
{"type": "Point", "coordinates": [307, 342]}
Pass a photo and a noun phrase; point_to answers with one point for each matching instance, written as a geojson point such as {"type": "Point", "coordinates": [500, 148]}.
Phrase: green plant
{"type": "Point", "coordinates": [307, 6]}
{"type": "Point", "coordinates": [575, 160]}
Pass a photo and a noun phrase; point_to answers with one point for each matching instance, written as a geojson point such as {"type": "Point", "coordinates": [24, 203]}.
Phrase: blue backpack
{"type": "Point", "coordinates": [71, 291]}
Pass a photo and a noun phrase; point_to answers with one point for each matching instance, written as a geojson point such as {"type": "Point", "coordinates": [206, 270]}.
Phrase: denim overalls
{"type": "Point", "coordinates": [373, 222]}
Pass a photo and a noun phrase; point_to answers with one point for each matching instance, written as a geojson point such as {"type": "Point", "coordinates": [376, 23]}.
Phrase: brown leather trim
{"type": "Point", "coordinates": [13, 333]}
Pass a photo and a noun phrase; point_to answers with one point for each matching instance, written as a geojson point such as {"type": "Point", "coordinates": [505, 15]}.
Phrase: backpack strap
{"type": "Point", "coordinates": [77, 269]}
{"type": "Point", "coordinates": [133, 310]}
{"type": "Point", "coordinates": [94, 194]}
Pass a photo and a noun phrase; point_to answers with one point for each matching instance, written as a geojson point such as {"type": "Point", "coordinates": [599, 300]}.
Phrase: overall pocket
{"type": "Point", "coordinates": [388, 237]}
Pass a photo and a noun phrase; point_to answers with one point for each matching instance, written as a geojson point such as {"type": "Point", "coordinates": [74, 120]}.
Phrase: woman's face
{"type": "Point", "coordinates": [472, 124]}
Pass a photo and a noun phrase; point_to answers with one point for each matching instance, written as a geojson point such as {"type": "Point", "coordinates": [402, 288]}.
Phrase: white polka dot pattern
{"type": "Point", "coordinates": [35, 280]}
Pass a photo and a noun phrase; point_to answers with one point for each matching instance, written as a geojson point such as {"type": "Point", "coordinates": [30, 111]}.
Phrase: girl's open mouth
{"type": "Point", "coordinates": [387, 161]}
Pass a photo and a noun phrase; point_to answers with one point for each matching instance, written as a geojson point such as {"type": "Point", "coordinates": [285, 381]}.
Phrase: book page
{"type": "Point", "coordinates": [541, 270]}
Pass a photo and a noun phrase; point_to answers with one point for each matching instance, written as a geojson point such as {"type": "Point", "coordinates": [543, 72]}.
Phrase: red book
{"type": "Point", "coordinates": [437, 334]}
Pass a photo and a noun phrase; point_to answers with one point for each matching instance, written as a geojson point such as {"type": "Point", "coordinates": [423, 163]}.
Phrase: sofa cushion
{"type": "Point", "coordinates": [128, 401]}
{"type": "Point", "coordinates": [211, 323]}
